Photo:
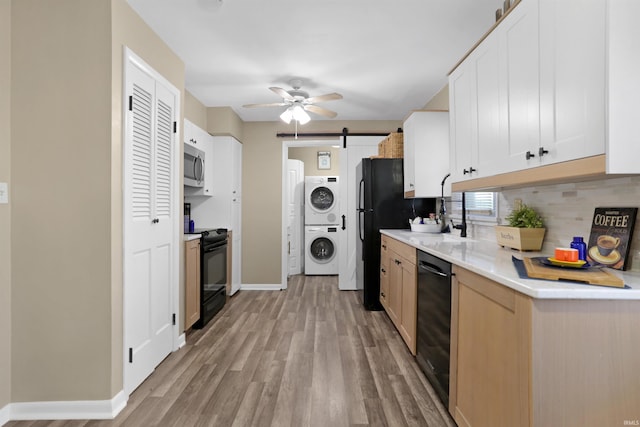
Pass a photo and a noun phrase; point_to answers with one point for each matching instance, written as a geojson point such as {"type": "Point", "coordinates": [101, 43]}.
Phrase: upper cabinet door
{"type": "Point", "coordinates": [426, 155]}
{"type": "Point", "coordinates": [623, 114]}
{"type": "Point", "coordinates": [462, 121]}
{"type": "Point", "coordinates": [518, 40]}
{"type": "Point", "coordinates": [572, 79]}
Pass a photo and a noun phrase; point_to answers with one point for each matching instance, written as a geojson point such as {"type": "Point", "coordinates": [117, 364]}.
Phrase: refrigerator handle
{"type": "Point", "coordinates": [360, 230]}
{"type": "Point", "coordinates": [360, 193]}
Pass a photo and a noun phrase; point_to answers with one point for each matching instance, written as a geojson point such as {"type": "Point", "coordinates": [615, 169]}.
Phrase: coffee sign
{"type": "Point", "coordinates": [611, 233]}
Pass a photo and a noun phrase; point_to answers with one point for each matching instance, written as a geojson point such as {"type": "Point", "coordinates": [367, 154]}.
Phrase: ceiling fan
{"type": "Point", "coordinates": [298, 103]}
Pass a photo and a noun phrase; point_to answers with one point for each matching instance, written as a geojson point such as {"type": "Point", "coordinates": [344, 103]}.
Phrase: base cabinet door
{"type": "Point", "coordinates": [398, 287]}
{"type": "Point", "coordinates": [408, 313]}
{"type": "Point", "coordinates": [384, 275]}
{"type": "Point", "coordinates": [490, 353]}
{"type": "Point", "coordinates": [395, 289]}
{"type": "Point", "coordinates": [192, 283]}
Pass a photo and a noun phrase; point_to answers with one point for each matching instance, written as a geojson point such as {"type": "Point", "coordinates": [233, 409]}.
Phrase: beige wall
{"type": "Point", "coordinates": [61, 81]}
{"type": "Point", "coordinates": [309, 156]}
{"type": "Point", "coordinates": [262, 191]}
{"type": "Point", "coordinates": [194, 110]}
{"type": "Point", "coordinates": [5, 210]}
{"type": "Point", "coordinates": [440, 100]}
{"type": "Point", "coordinates": [224, 121]}
{"type": "Point", "coordinates": [66, 176]}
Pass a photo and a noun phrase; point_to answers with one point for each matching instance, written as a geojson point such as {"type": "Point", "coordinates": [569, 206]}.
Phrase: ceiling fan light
{"type": "Point", "coordinates": [287, 115]}
{"type": "Point", "coordinates": [300, 115]}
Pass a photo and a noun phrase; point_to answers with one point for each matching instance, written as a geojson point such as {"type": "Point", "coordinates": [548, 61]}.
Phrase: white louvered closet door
{"type": "Point", "coordinates": [149, 224]}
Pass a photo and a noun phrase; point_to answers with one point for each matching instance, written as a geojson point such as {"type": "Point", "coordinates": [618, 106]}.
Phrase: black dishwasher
{"type": "Point", "coordinates": [434, 322]}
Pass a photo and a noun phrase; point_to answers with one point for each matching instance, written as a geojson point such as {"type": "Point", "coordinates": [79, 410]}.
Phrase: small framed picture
{"type": "Point", "coordinates": [324, 160]}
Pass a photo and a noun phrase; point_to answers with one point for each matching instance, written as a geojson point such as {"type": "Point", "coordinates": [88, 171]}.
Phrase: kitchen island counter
{"type": "Point", "coordinates": [490, 260]}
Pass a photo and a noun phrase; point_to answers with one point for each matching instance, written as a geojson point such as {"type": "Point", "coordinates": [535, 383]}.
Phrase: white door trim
{"type": "Point", "coordinates": [284, 258]}
{"type": "Point", "coordinates": [130, 58]}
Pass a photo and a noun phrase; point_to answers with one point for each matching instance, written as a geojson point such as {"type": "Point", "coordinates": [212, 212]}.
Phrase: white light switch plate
{"type": "Point", "coordinates": [4, 193]}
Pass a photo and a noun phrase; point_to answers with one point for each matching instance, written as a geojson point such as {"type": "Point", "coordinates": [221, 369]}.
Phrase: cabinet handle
{"type": "Point", "coordinates": [382, 295]}
{"type": "Point", "coordinates": [398, 262]}
{"type": "Point", "coordinates": [384, 246]}
{"type": "Point", "coordinates": [542, 151]}
{"type": "Point", "coordinates": [529, 155]}
{"type": "Point", "coordinates": [383, 270]}
{"type": "Point", "coordinates": [411, 185]}
{"type": "Point", "coordinates": [471, 169]}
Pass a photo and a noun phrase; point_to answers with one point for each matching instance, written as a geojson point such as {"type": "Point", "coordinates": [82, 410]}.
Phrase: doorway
{"type": "Point", "coordinates": [307, 153]}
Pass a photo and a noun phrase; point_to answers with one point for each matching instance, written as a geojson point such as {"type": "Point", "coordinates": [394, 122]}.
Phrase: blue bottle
{"type": "Point", "coordinates": [581, 246]}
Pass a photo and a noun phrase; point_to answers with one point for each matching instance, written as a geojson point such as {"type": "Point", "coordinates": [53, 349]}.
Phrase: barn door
{"type": "Point", "coordinates": [150, 256]}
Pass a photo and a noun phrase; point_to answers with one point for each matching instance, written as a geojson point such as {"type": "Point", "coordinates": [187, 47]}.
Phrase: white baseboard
{"type": "Point", "coordinates": [4, 414]}
{"type": "Point", "coordinates": [182, 341]}
{"type": "Point", "coordinates": [71, 410]}
{"type": "Point", "coordinates": [259, 287]}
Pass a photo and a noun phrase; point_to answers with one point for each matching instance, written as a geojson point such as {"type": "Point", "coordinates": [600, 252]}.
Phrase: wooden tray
{"type": "Point", "coordinates": [592, 276]}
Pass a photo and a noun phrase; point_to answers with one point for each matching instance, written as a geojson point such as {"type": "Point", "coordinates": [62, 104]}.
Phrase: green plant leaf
{"type": "Point", "coordinates": [525, 217]}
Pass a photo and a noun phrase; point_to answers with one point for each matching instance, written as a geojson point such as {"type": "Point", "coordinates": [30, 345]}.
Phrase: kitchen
{"type": "Point", "coordinates": [262, 215]}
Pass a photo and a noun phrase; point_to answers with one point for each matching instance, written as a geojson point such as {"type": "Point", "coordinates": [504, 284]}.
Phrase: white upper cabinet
{"type": "Point", "coordinates": [623, 83]}
{"type": "Point", "coordinates": [520, 95]}
{"type": "Point", "coordinates": [462, 121]}
{"type": "Point", "coordinates": [572, 79]}
{"type": "Point", "coordinates": [532, 92]}
{"type": "Point", "coordinates": [426, 153]}
{"type": "Point", "coordinates": [200, 139]}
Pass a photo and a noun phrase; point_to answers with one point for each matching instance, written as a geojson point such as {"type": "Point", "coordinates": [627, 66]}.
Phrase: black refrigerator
{"type": "Point", "coordinates": [381, 205]}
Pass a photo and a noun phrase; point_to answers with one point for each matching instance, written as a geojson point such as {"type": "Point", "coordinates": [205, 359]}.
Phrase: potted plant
{"type": "Point", "coordinates": [525, 231]}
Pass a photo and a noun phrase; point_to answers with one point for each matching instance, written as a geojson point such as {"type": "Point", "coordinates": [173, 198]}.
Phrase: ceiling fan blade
{"type": "Point", "coordinates": [321, 111]}
{"type": "Point", "coordinates": [273, 104]}
{"type": "Point", "coordinates": [283, 93]}
{"type": "Point", "coordinates": [321, 98]}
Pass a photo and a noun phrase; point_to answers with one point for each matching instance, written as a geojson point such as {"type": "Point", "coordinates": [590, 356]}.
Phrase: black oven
{"type": "Point", "coordinates": [213, 274]}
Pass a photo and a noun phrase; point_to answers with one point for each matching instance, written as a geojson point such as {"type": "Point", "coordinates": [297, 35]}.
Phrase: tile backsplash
{"type": "Point", "coordinates": [567, 209]}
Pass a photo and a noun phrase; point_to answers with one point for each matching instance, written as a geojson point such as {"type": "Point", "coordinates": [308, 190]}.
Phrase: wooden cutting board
{"type": "Point", "coordinates": [592, 276]}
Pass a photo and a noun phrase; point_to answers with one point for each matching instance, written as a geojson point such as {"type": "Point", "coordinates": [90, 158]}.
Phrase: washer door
{"type": "Point", "coordinates": [322, 250]}
{"type": "Point", "coordinates": [321, 199]}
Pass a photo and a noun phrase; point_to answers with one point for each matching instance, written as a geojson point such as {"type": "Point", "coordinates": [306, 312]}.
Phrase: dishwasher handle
{"type": "Point", "coordinates": [432, 269]}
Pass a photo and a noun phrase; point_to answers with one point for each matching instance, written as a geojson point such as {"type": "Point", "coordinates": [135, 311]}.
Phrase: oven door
{"type": "Point", "coordinates": [214, 268]}
{"type": "Point", "coordinates": [213, 274]}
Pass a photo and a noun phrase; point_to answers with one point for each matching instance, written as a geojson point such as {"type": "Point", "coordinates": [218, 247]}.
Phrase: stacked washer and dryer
{"type": "Point", "coordinates": [321, 225]}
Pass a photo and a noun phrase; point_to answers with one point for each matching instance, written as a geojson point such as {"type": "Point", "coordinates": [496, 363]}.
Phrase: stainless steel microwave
{"type": "Point", "coordinates": [193, 166]}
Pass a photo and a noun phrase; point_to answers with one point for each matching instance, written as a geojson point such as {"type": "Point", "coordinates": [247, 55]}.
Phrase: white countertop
{"type": "Point", "coordinates": [188, 237]}
{"type": "Point", "coordinates": [494, 262]}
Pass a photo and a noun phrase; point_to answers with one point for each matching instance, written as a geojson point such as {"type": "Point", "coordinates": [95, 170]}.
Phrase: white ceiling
{"type": "Point", "coordinates": [385, 57]}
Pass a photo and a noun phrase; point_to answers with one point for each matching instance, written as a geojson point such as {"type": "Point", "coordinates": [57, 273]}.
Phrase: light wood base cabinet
{"type": "Point", "coordinates": [385, 258]}
{"type": "Point", "coordinates": [518, 361]}
{"type": "Point", "coordinates": [192, 283]}
{"type": "Point", "coordinates": [398, 287]}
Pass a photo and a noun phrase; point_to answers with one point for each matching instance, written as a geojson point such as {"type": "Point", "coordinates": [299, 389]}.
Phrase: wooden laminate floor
{"type": "Point", "coordinates": [307, 356]}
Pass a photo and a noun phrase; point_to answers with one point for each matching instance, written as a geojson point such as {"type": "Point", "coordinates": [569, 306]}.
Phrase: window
{"type": "Point", "coordinates": [480, 205]}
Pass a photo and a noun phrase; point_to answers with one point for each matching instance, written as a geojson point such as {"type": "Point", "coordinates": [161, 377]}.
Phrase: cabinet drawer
{"type": "Point", "coordinates": [405, 251]}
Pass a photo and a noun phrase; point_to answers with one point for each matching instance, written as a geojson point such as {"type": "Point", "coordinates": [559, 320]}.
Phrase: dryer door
{"type": "Point", "coordinates": [322, 199]}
